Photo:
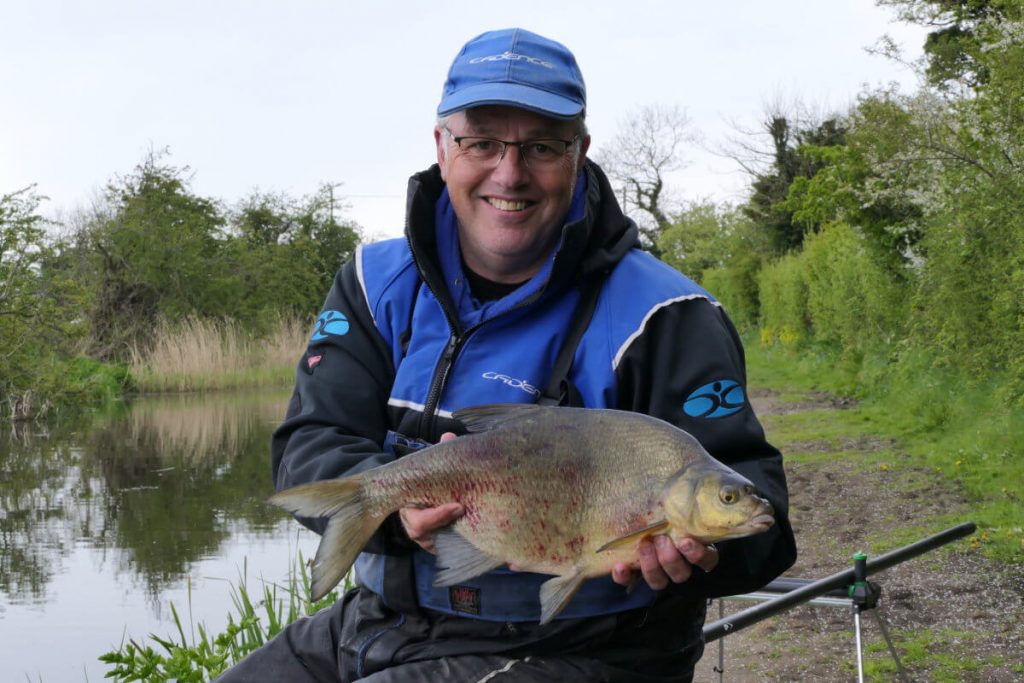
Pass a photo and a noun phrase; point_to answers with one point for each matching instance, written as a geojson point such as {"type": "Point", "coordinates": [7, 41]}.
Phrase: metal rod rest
{"type": "Point", "coordinates": [752, 615]}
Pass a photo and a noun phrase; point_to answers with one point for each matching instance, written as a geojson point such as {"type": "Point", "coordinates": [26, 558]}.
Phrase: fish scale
{"type": "Point", "coordinates": [562, 491]}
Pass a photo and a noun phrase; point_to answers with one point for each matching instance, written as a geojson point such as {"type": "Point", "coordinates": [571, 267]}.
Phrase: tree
{"type": "Point", "coordinates": [288, 252]}
{"type": "Point", "coordinates": [153, 251]}
{"type": "Point", "coordinates": [648, 146]}
{"type": "Point", "coordinates": [40, 308]}
{"type": "Point", "coordinates": [699, 238]}
{"type": "Point", "coordinates": [789, 138]}
{"type": "Point", "coordinates": [953, 48]}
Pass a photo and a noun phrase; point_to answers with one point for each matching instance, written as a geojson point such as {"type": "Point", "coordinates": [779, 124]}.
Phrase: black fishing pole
{"type": "Point", "coordinates": [843, 579]}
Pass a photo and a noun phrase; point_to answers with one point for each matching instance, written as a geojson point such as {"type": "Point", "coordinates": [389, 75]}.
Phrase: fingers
{"type": "Point", "coordinates": [447, 436]}
{"type": "Point", "coordinates": [662, 562]}
{"type": "Point", "coordinates": [623, 575]}
{"type": "Point", "coordinates": [704, 556]}
{"type": "Point", "coordinates": [420, 523]}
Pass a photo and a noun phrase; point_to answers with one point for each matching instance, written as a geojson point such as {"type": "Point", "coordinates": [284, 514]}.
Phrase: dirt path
{"type": "Point", "coordinates": [955, 615]}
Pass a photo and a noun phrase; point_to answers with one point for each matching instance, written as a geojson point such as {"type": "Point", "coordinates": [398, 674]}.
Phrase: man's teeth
{"type": "Point", "coordinates": [505, 205]}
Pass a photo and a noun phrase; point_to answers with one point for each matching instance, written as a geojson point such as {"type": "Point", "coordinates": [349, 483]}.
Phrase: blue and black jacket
{"type": "Point", "coordinates": [401, 344]}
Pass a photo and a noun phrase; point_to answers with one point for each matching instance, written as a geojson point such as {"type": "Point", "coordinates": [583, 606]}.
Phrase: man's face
{"type": "Point", "coordinates": [510, 215]}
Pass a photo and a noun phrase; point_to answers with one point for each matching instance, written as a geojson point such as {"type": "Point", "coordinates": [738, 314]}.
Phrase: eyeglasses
{"type": "Point", "coordinates": [538, 154]}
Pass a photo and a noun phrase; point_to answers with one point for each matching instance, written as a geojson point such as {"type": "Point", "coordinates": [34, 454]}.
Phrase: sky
{"type": "Point", "coordinates": [286, 96]}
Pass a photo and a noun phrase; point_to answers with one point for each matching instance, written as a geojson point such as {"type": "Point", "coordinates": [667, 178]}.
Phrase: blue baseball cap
{"type": "Point", "coordinates": [516, 68]}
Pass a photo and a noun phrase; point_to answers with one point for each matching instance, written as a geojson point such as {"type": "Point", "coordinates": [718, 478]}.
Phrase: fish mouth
{"type": "Point", "coordinates": [761, 522]}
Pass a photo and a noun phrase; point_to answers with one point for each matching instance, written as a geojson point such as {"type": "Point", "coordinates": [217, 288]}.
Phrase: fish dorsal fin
{"type": "Point", "coordinates": [458, 559]}
{"type": "Point", "coordinates": [485, 417]}
{"type": "Point", "coordinates": [556, 593]}
{"type": "Point", "coordinates": [636, 536]}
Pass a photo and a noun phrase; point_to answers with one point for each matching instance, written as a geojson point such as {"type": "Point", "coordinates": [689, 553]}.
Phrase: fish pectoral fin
{"type": "Point", "coordinates": [652, 530]}
{"type": "Point", "coordinates": [458, 559]}
{"type": "Point", "coordinates": [485, 417]}
{"type": "Point", "coordinates": [556, 593]}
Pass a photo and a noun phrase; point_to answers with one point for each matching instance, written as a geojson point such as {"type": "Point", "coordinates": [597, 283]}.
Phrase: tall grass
{"type": "Point", "coordinates": [202, 354]}
{"type": "Point", "coordinates": [185, 656]}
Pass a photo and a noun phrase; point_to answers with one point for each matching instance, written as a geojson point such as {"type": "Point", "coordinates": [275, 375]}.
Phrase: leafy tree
{"type": "Point", "coordinates": [288, 252]}
{"type": "Point", "coordinates": [790, 160]}
{"type": "Point", "coordinates": [953, 48]}
{"type": "Point", "coordinates": [154, 251]}
{"type": "Point", "coordinates": [40, 309]}
{"type": "Point", "coordinates": [698, 238]}
{"type": "Point", "coordinates": [876, 181]}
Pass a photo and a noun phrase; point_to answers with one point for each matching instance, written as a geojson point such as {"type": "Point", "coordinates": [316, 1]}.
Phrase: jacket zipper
{"type": "Point", "coordinates": [428, 421]}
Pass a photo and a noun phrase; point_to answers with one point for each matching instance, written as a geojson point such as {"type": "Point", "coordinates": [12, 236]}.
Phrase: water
{"type": "Point", "coordinates": [105, 523]}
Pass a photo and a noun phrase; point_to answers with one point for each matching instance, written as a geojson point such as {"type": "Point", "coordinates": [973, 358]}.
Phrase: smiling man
{"type": "Point", "coordinates": [518, 272]}
{"type": "Point", "coordinates": [510, 175]}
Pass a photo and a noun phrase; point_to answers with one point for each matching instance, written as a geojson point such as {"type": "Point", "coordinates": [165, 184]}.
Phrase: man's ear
{"type": "Point", "coordinates": [441, 158]}
{"type": "Point", "coordinates": [584, 146]}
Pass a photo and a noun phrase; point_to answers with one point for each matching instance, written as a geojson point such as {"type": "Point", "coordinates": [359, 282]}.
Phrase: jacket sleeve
{"type": "Point", "coordinates": [337, 420]}
{"type": "Point", "coordinates": [686, 346]}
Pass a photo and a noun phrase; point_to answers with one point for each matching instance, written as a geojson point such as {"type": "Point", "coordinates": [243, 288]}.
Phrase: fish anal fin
{"type": "Point", "coordinates": [458, 559]}
{"type": "Point", "coordinates": [636, 536]}
{"type": "Point", "coordinates": [556, 593]}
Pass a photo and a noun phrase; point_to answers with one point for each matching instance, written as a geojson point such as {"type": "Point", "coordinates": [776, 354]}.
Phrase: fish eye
{"type": "Point", "coordinates": [729, 495]}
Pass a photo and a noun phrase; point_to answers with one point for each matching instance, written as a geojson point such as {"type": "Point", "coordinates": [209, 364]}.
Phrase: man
{"type": "Point", "coordinates": [515, 250]}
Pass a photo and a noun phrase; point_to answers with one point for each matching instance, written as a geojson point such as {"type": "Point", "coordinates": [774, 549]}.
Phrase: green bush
{"type": "Point", "coordinates": [851, 300]}
{"type": "Point", "coordinates": [783, 297]}
{"type": "Point", "coordinates": [735, 286]}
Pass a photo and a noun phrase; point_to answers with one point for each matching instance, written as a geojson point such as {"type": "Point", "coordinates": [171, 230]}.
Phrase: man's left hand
{"type": "Point", "coordinates": [662, 562]}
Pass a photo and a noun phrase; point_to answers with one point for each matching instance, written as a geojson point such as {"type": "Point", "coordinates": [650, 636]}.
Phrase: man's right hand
{"type": "Point", "coordinates": [420, 523]}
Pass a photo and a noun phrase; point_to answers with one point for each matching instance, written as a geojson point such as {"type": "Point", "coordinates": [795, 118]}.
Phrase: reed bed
{"type": "Point", "coordinates": [200, 354]}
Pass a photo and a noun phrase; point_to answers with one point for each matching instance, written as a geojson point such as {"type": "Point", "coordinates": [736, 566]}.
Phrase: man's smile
{"type": "Point", "coordinates": [506, 204]}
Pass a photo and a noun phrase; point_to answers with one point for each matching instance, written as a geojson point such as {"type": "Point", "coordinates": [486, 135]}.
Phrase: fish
{"type": "Point", "coordinates": [568, 492]}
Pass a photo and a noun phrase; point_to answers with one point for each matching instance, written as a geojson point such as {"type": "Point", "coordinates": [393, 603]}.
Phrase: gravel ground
{"type": "Point", "coordinates": [963, 611]}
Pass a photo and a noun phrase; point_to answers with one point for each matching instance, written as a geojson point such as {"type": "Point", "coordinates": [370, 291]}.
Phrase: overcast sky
{"type": "Point", "coordinates": [287, 95]}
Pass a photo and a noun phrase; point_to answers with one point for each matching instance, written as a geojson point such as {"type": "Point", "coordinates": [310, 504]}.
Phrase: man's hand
{"type": "Point", "coordinates": [662, 562]}
{"type": "Point", "coordinates": [420, 523]}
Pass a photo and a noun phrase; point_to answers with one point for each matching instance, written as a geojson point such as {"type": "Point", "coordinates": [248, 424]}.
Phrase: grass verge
{"type": "Point", "coordinates": [925, 418]}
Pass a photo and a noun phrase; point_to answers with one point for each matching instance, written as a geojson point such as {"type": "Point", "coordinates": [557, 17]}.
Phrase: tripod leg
{"type": "Point", "coordinates": [860, 654]}
{"type": "Point", "coordinates": [720, 669]}
{"type": "Point", "coordinates": [892, 648]}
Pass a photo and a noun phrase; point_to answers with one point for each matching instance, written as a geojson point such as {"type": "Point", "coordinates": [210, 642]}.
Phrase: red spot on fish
{"type": "Point", "coordinates": [575, 544]}
{"type": "Point", "coordinates": [569, 472]}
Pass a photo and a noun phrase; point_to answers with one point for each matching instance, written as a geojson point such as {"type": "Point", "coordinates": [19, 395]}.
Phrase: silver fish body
{"type": "Point", "coordinates": [562, 491]}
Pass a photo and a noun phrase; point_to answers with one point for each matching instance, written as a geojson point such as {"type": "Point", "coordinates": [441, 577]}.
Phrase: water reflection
{"type": "Point", "coordinates": [153, 489]}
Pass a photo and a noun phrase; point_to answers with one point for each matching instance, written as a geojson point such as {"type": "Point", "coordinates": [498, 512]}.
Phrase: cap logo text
{"type": "Point", "coordinates": [512, 57]}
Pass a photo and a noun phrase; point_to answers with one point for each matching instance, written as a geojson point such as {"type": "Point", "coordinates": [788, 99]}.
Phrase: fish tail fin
{"type": "Point", "coordinates": [556, 593]}
{"type": "Point", "coordinates": [348, 529]}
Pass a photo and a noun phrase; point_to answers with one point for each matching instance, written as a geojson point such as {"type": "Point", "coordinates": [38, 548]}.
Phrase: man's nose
{"type": "Point", "coordinates": [511, 170]}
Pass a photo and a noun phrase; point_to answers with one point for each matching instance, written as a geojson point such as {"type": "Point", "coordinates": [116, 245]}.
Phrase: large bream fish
{"type": "Point", "coordinates": [563, 491]}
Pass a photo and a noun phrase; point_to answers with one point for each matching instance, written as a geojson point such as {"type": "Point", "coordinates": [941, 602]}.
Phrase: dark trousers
{"type": "Point", "coordinates": [361, 639]}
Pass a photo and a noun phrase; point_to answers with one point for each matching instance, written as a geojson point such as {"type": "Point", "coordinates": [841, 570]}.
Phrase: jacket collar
{"type": "Point", "coordinates": [594, 242]}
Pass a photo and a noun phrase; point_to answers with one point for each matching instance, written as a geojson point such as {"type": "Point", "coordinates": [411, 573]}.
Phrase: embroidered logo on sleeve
{"type": "Point", "coordinates": [716, 399]}
{"type": "Point", "coordinates": [329, 323]}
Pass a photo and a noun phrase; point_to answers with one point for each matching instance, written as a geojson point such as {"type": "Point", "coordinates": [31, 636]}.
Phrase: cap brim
{"type": "Point", "coordinates": [512, 95]}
